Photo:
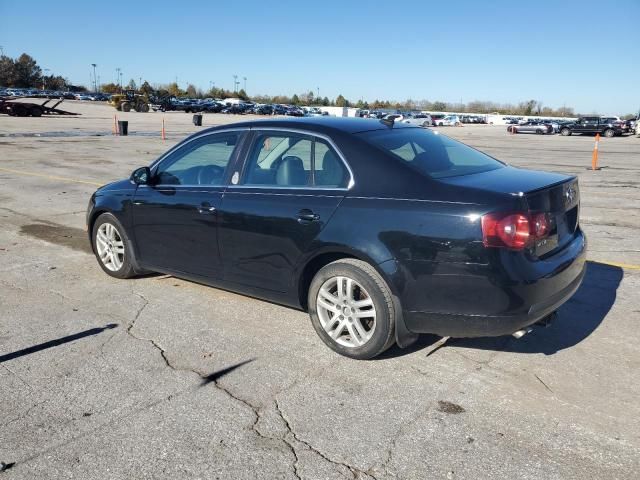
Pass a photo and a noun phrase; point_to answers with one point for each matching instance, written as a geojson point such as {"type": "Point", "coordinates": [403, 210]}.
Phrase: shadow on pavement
{"type": "Point", "coordinates": [56, 342]}
{"type": "Point", "coordinates": [213, 377]}
{"type": "Point", "coordinates": [577, 319]}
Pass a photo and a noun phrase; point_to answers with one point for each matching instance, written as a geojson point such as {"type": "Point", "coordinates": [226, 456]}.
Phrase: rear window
{"type": "Point", "coordinates": [431, 153]}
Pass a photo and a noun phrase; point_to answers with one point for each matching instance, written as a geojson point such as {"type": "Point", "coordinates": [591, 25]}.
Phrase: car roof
{"type": "Point", "coordinates": [324, 124]}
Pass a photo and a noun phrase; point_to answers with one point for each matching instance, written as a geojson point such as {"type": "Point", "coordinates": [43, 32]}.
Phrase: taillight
{"type": "Point", "coordinates": [514, 230]}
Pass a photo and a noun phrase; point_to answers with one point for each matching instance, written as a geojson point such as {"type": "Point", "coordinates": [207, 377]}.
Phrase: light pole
{"type": "Point", "coordinates": [44, 78]}
{"type": "Point", "coordinates": [1, 51]}
{"type": "Point", "coordinates": [235, 83]}
{"type": "Point", "coordinates": [95, 79]}
{"type": "Point", "coordinates": [318, 90]}
{"type": "Point", "coordinates": [118, 76]}
{"type": "Point", "coordinates": [140, 83]}
{"type": "Point", "coordinates": [245, 84]}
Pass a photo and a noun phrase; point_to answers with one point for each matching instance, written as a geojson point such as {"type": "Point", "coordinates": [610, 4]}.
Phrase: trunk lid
{"type": "Point", "coordinates": [555, 194]}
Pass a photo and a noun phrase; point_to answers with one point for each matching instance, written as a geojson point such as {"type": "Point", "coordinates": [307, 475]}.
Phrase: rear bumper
{"type": "Point", "coordinates": [452, 325]}
{"type": "Point", "coordinates": [535, 298]}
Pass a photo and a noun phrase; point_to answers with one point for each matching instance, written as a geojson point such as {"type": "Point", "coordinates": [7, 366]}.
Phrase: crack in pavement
{"type": "Point", "coordinates": [355, 472]}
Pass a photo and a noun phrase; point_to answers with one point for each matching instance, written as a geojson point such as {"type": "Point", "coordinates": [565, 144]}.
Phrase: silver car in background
{"type": "Point", "coordinates": [419, 120]}
{"type": "Point", "coordinates": [531, 127]}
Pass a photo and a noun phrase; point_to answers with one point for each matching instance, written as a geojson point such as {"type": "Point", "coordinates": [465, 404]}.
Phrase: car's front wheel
{"type": "Point", "coordinates": [112, 247]}
{"type": "Point", "coordinates": [351, 309]}
{"type": "Point", "coordinates": [565, 132]}
{"type": "Point", "coordinates": [609, 133]}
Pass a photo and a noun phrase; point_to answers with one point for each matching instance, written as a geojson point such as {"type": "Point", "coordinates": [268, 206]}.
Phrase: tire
{"type": "Point", "coordinates": [125, 107]}
{"type": "Point", "coordinates": [565, 132]}
{"type": "Point", "coordinates": [425, 124]}
{"type": "Point", "coordinates": [539, 131]}
{"type": "Point", "coordinates": [360, 338]}
{"type": "Point", "coordinates": [122, 267]}
{"type": "Point", "coordinates": [36, 112]}
{"type": "Point", "coordinates": [609, 133]}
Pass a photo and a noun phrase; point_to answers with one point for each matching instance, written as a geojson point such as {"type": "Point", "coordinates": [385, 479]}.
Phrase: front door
{"type": "Point", "coordinates": [290, 186]}
{"type": "Point", "coordinates": [175, 218]}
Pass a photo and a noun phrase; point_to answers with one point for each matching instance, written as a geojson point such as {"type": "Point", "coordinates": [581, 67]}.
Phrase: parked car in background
{"type": "Point", "coordinates": [418, 120]}
{"type": "Point", "coordinates": [448, 121]}
{"type": "Point", "coordinates": [592, 125]}
{"type": "Point", "coordinates": [530, 127]}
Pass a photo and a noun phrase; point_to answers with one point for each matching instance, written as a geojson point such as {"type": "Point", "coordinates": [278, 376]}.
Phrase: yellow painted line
{"type": "Point", "coordinates": [50, 177]}
{"type": "Point", "coordinates": [627, 266]}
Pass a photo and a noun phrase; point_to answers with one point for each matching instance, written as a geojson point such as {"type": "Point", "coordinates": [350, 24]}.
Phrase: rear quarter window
{"type": "Point", "coordinates": [432, 154]}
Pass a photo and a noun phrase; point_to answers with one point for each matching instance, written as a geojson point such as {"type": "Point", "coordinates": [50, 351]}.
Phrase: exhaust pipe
{"type": "Point", "coordinates": [521, 333]}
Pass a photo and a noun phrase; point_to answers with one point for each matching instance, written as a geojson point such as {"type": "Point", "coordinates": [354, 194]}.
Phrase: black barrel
{"type": "Point", "coordinates": [123, 127]}
{"type": "Point", "coordinates": [197, 120]}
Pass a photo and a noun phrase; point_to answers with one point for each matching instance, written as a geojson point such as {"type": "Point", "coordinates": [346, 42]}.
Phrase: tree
{"type": "Point", "coordinates": [191, 91]}
{"type": "Point", "coordinates": [341, 101]}
{"type": "Point", "coordinates": [132, 85]}
{"type": "Point", "coordinates": [243, 95]}
{"type": "Point", "coordinates": [174, 90]}
{"type": "Point", "coordinates": [146, 89]}
{"type": "Point", "coordinates": [110, 88]}
{"type": "Point", "coordinates": [439, 107]}
{"type": "Point", "coordinates": [325, 102]}
{"type": "Point", "coordinates": [295, 99]}
{"type": "Point", "coordinates": [27, 73]}
{"type": "Point", "coordinates": [7, 71]}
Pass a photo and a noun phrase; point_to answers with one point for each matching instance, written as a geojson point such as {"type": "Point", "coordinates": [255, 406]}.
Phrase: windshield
{"type": "Point", "coordinates": [431, 153]}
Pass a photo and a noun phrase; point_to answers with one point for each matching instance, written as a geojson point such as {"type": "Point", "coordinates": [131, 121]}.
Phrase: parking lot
{"type": "Point", "coordinates": [162, 378]}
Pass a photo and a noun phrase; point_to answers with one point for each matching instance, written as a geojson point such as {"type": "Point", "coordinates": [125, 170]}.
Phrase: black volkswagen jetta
{"type": "Point", "coordinates": [379, 231]}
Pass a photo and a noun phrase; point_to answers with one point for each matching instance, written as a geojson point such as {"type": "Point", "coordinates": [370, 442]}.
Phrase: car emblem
{"type": "Point", "coordinates": [570, 195]}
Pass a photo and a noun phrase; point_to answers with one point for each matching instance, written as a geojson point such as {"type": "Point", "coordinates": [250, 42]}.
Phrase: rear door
{"type": "Point", "coordinates": [289, 187]}
{"type": "Point", "coordinates": [176, 217]}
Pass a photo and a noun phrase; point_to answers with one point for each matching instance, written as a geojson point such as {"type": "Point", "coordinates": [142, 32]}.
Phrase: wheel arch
{"type": "Point", "coordinates": [312, 265]}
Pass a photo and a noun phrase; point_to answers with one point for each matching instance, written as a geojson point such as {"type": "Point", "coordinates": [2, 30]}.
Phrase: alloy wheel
{"type": "Point", "coordinates": [110, 247]}
{"type": "Point", "coordinates": [346, 311]}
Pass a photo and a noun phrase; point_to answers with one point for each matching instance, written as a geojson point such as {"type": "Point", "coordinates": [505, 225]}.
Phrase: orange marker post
{"type": "Point", "coordinates": [164, 136]}
{"type": "Point", "coordinates": [115, 125]}
{"type": "Point", "coordinates": [594, 156]}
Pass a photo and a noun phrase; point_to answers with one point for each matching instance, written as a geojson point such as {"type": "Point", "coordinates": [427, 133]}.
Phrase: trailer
{"type": "Point", "coordinates": [15, 108]}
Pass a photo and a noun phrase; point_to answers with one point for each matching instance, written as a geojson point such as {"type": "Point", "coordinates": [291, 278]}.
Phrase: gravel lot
{"type": "Point", "coordinates": [162, 378]}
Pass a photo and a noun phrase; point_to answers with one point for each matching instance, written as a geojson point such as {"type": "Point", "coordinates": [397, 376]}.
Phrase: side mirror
{"type": "Point", "coordinates": [141, 176]}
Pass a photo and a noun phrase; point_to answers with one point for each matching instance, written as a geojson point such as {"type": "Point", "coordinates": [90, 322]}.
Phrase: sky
{"type": "Point", "coordinates": [579, 53]}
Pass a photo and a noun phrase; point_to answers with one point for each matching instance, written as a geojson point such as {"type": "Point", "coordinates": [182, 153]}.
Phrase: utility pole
{"type": "Point", "coordinates": [95, 79]}
{"type": "Point", "coordinates": [44, 78]}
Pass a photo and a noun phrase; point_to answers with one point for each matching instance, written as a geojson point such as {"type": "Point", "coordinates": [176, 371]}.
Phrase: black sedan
{"type": "Point", "coordinates": [380, 231]}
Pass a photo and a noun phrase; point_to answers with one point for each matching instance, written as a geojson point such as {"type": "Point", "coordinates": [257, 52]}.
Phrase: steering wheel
{"type": "Point", "coordinates": [209, 173]}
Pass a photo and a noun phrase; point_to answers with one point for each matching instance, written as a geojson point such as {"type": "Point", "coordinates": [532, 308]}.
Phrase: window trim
{"type": "Point", "coordinates": [156, 164]}
{"type": "Point", "coordinates": [297, 131]}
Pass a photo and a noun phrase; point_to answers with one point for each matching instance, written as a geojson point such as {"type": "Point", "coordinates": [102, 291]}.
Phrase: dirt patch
{"type": "Point", "coordinates": [451, 408]}
{"type": "Point", "coordinates": [69, 237]}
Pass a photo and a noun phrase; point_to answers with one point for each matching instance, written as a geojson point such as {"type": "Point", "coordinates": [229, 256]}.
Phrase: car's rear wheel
{"type": "Point", "coordinates": [609, 133]}
{"type": "Point", "coordinates": [125, 107]}
{"type": "Point", "coordinates": [112, 247]}
{"type": "Point", "coordinates": [539, 131]}
{"type": "Point", "coordinates": [351, 309]}
{"type": "Point", "coordinates": [565, 132]}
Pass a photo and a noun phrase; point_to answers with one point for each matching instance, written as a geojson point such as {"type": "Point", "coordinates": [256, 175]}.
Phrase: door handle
{"type": "Point", "coordinates": [307, 216]}
{"type": "Point", "coordinates": [206, 209]}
